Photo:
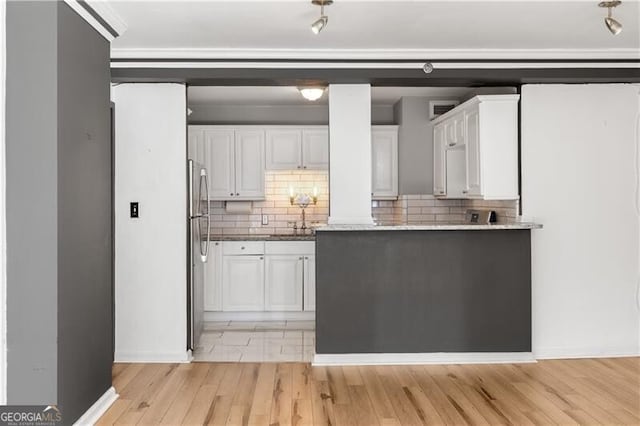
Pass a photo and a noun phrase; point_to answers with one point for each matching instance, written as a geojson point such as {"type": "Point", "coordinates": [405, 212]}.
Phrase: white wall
{"type": "Point", "coordinates": [3, 238]}
{"type": "Point", "coordinates": [350, 154]}
{"type": "Point", "coordinates": [150, 258]}
{"type": "Point", "coordinates": [580, 180]}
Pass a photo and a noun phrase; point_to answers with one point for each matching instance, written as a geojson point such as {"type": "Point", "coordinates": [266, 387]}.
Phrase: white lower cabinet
{"type": "Point", "coordinates": [283, 283]}
{"type": "Point", "coordinates": [243, 283]}
{"type": "Point", "coordinates": [213, 278]}
{"type": "Point", "coordinates": [257, 276]}
{"type": "Point", "coordinates": [310, 283]}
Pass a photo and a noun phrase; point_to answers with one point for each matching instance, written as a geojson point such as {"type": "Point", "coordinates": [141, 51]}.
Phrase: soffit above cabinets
{"type": "Point", "coordinates": [290, 96]}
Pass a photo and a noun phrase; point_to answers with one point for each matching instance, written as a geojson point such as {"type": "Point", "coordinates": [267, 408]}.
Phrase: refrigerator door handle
{"type": "Point", "coordinates": [204, 248]}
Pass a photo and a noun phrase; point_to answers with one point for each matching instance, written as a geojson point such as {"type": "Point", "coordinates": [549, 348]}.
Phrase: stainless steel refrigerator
{"type": "Point", "coordinates": [198, 248]}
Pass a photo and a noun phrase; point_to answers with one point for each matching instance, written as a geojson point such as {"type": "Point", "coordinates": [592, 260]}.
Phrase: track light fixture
{"type": "Point", "coordinates": [614, 26]}
{"type": "Point", "coordinates": [321, 22]}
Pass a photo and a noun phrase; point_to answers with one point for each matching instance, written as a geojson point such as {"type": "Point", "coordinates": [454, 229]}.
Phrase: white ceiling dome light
{"type": "Point", "coordinates": [311, 93]}
{"type": "Point", "coordinates": [322, 21]}
{"type": "Point", "coordinates": [614, 26]}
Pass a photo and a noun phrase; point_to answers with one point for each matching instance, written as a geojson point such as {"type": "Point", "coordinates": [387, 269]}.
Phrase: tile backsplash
{"type": "Point", "coordinates": [417, 209]}
{"type": "Point", "coordinates": [407, 209]}
{"type": "Point", "coordinates": [276, 205]}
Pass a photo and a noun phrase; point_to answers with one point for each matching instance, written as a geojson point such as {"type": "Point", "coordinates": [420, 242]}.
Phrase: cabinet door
{"type": "Point", "coordinates": [249, 164]}
{"type": "Point", "coordinates": [439, 161]}
{"type": "Point", "coordinates": [243, 283]}
{"type": "Point", "coordinates": [213, 278]}
{"type": "Point", "coordinates": [284, 149]}
{"type": "Point", "coordinates": [384, 169]}
{"type": "Point", "coordinates": [456, 173]}
{"type": "Point", "coordinates": [196, 147]}
{"type": "Point", "coordinates": [454, 130]}
{"type": "Point", "coordinates": [309, 283]}
{"type": "Point", "coordinates": [315, 149]}
{"type": "Point", "coordinates": [283, 283]}
{"type": "Point", "coordinates": [474, 171]}
{"type": "Point", "coordinates": [219, 158]}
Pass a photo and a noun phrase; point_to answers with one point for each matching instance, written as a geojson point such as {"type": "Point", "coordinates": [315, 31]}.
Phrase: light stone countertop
{"type": "Point", "coordinates": [256, 237]}
{"type": "Point", "coordinates": [435, 226]}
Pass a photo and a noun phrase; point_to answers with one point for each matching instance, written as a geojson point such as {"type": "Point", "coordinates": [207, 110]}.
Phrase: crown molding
{"type": "Point", "coordinates": [284, 64]}
{"type": "Point", "coordinates": [618, 54]}
{"type": "Point", "coordinates": [110, 16]}
{"type": "Point", "coordinates": [101, 16]}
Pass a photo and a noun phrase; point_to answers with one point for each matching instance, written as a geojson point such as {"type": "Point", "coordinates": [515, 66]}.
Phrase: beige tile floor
{"type": "Point", "coordinates": [269, 341]}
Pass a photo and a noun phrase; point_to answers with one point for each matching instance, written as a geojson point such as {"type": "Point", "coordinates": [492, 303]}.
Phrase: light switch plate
{"type": "Point", "coordinates": [265, 219]}
{"type": "Point", "coordinates": [134, 209]}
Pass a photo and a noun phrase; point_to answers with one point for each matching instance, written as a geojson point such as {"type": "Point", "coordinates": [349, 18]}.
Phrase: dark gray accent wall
{"type": "Point", "coordinates": [59, 238]}
{"type": "Point", "coordinates": [276, 114]}
{"type": "Point", "coordinates": [423, 291]}
{"type": "Point", "coordinates": [468, 77]}
{"type": "Point", "coordinates": [85, 274]}
{"type": "Point", "coordinates": [32, 202]}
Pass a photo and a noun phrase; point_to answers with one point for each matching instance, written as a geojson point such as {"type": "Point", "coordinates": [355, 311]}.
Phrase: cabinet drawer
{"type": "Point", "coordinates": [242, 247]}
{"type": "Point", "coordinates": [290, 247]}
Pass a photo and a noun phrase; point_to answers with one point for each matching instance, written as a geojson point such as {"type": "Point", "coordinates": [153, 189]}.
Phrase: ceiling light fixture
{"type": "Point", "coordinates": [321, 22]}
{"type": "Point", "coordinates": [614, 26]}
{"type": "Point", "coordinates": [311, 93]}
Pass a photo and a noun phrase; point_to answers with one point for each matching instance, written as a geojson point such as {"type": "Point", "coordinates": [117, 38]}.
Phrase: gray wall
{"type": "Point", "coordinates": [276, 114]}
{"type": "Point", "coordinates": [85, 324]}
{"type": "Point", "coordinates": [415, 145]}
{"type": "Point", "coordinates": [59, 259]}
{"type": "Point", "coordinates": [32, 209]}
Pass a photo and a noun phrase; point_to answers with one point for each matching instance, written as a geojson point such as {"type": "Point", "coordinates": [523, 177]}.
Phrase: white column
{"type": "Point", "coordinates": [350, 154]}
{"type": "Point", "coordinates": [151, 255]}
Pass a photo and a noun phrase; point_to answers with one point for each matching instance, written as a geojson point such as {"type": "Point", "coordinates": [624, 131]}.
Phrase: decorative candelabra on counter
{"type": "Point", "coordinates": [303, 200]}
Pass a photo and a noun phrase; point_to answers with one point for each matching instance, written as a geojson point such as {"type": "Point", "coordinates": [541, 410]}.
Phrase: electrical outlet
{"type": "Point", "coordinates": [265, 219]}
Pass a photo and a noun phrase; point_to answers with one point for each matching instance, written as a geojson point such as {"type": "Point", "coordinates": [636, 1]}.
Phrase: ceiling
{"type": "Point", "coordinates": [290, 96]}
{"type": "Point", "coordinates": [375, 29]}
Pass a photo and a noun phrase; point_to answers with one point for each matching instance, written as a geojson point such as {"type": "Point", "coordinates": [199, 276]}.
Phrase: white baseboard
{"type": "Point", "coordinates": [91, 416]}
{"type": "Point", "coordinates": [424, 358]}
{"type": "Point", "coordinates": [259, 316]}
{"type": "Point", "coordinates": [153, 357]}
{"type": "Point", "coordinates": [586, 352]}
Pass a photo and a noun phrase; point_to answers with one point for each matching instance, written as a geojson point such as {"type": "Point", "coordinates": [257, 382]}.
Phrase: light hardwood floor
{"type": "Point", "coordinates": [589, 391]}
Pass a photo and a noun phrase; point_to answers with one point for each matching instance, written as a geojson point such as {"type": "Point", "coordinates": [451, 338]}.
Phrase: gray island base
{"type": "Point", "coordinates": [423, 290]}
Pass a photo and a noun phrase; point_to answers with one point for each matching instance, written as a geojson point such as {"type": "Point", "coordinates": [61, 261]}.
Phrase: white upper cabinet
{"type": "Point", "coordinates": [249, 164]}
{"type": "Point", "coordinates": [472, 125]}
{"type": "Point", "coordinates": [454, 130]}
{"type": "Point", "coordinates": [315, 149]}
{"type": "Point", "coordinates": [439, 161]}
{"type": "Point", "coordinates": [284, 149]}
{"type": "Point", "coordinates": [384, 162]}
{"type": "Point", "coordinates": [234, 158]}
{"type": "Point", "coordinates": [485, 129]}
{"type": "Point", "coordinates": [291, 148]}
{"type": "Point", "coordinates": [219, 161]}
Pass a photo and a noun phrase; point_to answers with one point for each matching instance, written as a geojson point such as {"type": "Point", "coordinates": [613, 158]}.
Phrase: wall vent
{"type": "Point", "coordinates": [437, 108]}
